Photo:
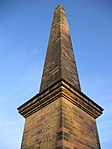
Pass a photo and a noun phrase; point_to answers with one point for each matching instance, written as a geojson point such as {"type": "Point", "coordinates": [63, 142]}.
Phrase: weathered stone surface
{"type": "Point", "coordinates": [60, 89]}
{"type": "Point", "coordinates": [60, 61]}
{"type": "Point", "coordinates": [80, 129]}
{"type": "Point", "coordinates": [60, 116]}
{"type": "Point", "coordinates": [61, 124]}
{"type": "Point", "coordinates": [42, 128]}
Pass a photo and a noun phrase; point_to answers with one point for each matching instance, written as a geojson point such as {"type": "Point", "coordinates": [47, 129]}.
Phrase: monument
{"type": "Point", "coordinates": [60, 116]}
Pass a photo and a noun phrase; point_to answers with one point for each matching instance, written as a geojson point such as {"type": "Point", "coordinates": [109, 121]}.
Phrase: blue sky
{"type": "Point", "coordinates": [24, 33]}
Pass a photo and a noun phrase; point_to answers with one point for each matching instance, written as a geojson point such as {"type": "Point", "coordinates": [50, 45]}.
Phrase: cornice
{"type": "Point", "coordinates": [59, 89]}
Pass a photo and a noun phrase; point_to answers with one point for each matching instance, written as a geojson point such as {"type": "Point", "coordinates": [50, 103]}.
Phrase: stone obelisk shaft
{"type": "Point", "coordinates": [60, 62]}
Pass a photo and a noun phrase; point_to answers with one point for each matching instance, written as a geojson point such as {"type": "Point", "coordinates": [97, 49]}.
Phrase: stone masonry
{"type": "Point", "coordinates": [60, 116]}
{"type": "Point", "coordinates": [60, 61]}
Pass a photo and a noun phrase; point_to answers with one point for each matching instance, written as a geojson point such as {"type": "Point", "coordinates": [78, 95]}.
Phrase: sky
{"type": "Point", "coordinates": [24, 33]}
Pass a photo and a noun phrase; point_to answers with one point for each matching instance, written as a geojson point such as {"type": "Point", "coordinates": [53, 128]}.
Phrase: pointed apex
{"type": "Point", "coordinates": [60, 62]}
{"type": "Point", "coordinates": [59, 6]}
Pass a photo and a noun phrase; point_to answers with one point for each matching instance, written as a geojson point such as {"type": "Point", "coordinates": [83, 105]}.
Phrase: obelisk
{"type": "Point", "coordinates": [60, 116]}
